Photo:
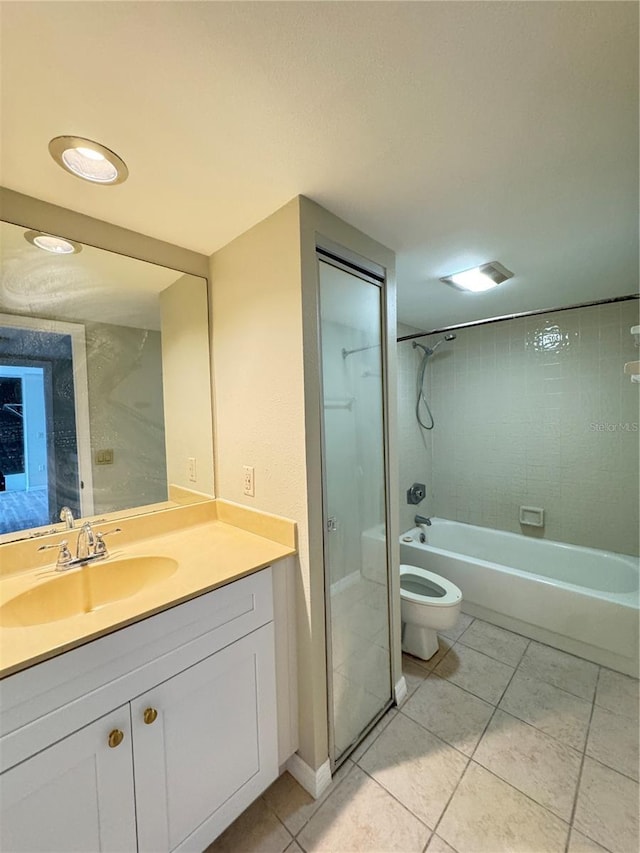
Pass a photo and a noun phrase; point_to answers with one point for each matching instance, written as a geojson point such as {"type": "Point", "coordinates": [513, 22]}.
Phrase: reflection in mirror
{"type": "Point", "coordinates": [99, 356]}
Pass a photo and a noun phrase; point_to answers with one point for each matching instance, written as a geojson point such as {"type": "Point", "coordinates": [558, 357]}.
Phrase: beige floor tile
{"type": "Point", "coordinates": [257, 830]}
{"type": "Point", "coordinates": [438, 845]}
{"type": "Point", "coordinates": [292, 804]}
{"type": "Point", "coordinates": [377, 730]}
{"type": "Point", "coordinates": [361, 817]}
{"type": "Point", "coordinates": [555, 712]}
{"type": "Point", "coordinates": [495, 642]}
{"type": "Point", "coordinates": [475, 672]}
{"type": "Point", "coordinates": [579, 843]}
{"type": "Point", "coordinates": [451, 713]}
{"type": "Point", "coordinates": [531, 761]}
{"type": "Point", "coordinates": [486, 815]}
{"type": "Point", "coordinates": [444, 647]}
{"type": "Point", "coordinates": [294, 847]}
{"type": "Point", "coordinates": [570, 673]}
{"type": "Point", "coordinates": [464, 620]}
{"type": "Point", "coordinates": [607, 809]}
{"type": "Point", "coordinates": [613, 740]}
{"type": "Point", "coordinates": [416, 767]}
{"type": "Point", "coordinates": [618, 693]}
{"type": "Point", "coordinates": [414, 672]}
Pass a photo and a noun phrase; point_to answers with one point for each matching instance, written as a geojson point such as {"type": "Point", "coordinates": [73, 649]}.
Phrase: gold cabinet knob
{"type": "Point", "coordinates": [115, 738]}
{"type": "Point", "coordinates": [150, 715]}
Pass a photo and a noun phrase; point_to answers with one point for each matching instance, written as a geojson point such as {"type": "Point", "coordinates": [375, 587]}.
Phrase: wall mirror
{"type": "Point", "coordinates": [105, 390]}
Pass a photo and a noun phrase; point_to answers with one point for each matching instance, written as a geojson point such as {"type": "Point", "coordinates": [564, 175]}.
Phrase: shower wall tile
{"type": "Point", "coordinates": [532, 411]}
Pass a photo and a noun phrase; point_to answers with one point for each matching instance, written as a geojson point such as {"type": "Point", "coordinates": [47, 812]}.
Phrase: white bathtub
{"type": "Point", "coordinates": [578, 599]}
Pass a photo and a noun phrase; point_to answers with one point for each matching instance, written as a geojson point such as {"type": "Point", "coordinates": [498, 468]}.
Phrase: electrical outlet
{"type": "Point", "coordinates": [248, 480]}
{"type": "Point", "coordinates": [191, 468]}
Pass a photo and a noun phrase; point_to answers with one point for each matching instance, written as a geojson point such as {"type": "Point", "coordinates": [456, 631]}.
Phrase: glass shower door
{"type": "Point", "coordinates": [356, 572]}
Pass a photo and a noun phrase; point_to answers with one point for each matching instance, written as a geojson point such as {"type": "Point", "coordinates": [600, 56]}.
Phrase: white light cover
{"type": "Point", "coordinates": [90, 165]}
{"type": "Point", "coordinates": [90, 153]}
{"type": "Point", "coordinates": [56, 245]}
{"type": "Point", "coordinates": [473, 280]}
{"type": "Point", "coordinates": [88, 160]}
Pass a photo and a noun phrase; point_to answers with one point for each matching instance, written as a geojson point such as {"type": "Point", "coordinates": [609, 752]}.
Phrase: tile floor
{"type": "Point", "coordinates": [504, 744]}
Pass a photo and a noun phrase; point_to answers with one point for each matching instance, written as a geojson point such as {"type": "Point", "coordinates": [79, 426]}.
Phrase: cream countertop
{"type": "Point", "coordinates": [214, 543]}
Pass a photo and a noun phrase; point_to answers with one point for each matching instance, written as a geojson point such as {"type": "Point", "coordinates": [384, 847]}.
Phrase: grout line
{"type": "Point", "coordinates": [453, 793]}
{"type": "Point", "coordinates": [495, 708]}
{"type": "Point", "coordinates": [400, 803]}
{"type": "Point", "coordinates": [424, 849]}
{"type": "Point", "coordinates": [492, 657]}
{"type": "Point", "coordinates": [470, 758]}
{"type": "Point", "coordinates": [523, 794]}
{"type": "Point", "coordinates": [584, 755]}
{"type": "Point", "coordinates": [613, 769]}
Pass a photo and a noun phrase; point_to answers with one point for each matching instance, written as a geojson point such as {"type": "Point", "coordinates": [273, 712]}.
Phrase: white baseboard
{"type": "Point", "coordinates": [313, 781]}
{"type": "Point", "coordinates": [400, 690]}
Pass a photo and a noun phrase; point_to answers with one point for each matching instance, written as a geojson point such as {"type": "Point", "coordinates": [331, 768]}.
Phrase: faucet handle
{"type": "Point", "coordinates": [64, 554]}
{"type": "Point", "coordinates": [100, 547]}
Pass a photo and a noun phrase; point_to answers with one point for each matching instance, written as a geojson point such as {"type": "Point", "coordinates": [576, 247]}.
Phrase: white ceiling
{"type": "Point", "coordinates": [453, 132]}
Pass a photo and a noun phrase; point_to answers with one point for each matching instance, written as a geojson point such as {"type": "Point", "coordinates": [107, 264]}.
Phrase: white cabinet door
{"type": "Point", "coordinates": [211, 750]}
{"type": "Point", "coordinates": [76, 795]}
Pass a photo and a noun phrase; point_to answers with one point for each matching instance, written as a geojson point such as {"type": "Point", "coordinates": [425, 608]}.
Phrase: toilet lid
{"type": "Point", "coordinates": [418, 584]}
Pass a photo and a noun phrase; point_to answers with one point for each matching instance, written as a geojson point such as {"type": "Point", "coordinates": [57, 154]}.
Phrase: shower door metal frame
{"type": "Point", "coordinates": [373, 274]}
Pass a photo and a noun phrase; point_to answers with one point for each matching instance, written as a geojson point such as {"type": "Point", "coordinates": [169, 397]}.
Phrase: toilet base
{"type": "Point", "coordinates": [419, 641]}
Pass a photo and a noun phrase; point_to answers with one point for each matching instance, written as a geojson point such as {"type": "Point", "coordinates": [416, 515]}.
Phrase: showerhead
{"type": "Point", "coordinates": [451, 336]}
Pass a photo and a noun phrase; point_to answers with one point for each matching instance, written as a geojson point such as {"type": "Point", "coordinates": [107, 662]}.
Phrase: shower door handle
{"type": "Point", "coordinates": [332, 524]}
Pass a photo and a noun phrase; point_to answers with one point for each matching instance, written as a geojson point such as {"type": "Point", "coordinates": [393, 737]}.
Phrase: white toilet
{"type": "Point", "coordinates": [429, 603]}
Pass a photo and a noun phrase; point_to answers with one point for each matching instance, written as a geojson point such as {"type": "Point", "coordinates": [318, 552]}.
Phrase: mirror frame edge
{"type": "Point", "coordinates": [29, 212]}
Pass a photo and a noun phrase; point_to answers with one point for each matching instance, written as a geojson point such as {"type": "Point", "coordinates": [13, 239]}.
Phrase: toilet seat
{"type": "Point", "coordinates": [452, 594]}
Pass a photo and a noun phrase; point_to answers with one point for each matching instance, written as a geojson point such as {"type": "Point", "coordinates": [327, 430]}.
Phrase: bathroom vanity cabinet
{"type": "Point", "coordinates": [153, 738]}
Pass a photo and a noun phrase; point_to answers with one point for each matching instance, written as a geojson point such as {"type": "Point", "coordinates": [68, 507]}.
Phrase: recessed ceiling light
{"type": "Point", "coordinates": [88, 160]}
{"type": "Point", "coordinates": [51, 243]}
{"type": "Point", "coordinates": [479, 279]}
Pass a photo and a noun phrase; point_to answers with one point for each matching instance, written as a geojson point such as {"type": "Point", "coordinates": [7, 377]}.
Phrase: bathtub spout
{"type": "Point", "coordinates": [419, 520]}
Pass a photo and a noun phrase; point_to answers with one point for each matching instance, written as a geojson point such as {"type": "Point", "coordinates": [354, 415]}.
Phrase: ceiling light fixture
{"type": "Point", "coordinates": [51, 243]}
{"type": "Point", "coordinates": [479, 279]}
{"type": "Point", "coordinates": [88, 160]}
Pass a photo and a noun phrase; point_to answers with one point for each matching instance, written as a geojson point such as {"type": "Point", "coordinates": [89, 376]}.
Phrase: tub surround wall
{"type": "Point", "coordinates": [414, 443]}
{"type": "Point", "coordinates": [538, 412]}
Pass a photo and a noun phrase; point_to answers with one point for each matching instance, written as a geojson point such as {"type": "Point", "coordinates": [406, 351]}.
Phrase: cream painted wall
{"type": "Point", "coordinates": [267, 407]}
{"type": "Point", "coordinates": [535, 412]}
{"type": "Point", "coordinates": [256, 303]}
{"type": "Point", "coordinates": [187, 388]}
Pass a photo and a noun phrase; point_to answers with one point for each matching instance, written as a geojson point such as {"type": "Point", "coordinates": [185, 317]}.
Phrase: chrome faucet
{"type": "Point", "coordinates": [67, 516]}
{"type": "Point", "coordinates": [90, 547]}
{"type": "Point", "coordinates": [419, 520]}
{"type": "Point", "coordinates": [86, 542]}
